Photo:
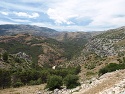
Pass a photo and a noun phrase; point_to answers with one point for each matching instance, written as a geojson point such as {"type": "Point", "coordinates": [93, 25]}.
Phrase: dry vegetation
{"type": "Point", "coordinates": [24, 90]}
{"type": "Point", "coordinates": [107, 84]}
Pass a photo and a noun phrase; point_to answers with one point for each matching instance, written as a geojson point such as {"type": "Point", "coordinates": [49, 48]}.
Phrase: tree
{"type": "Point", "coordinates": [54, 82]}
{"type": "Point", "coordinates": [5, 78]}
{"type": "Point", "coordinates": [78, 69]}
{"type": "Point", "coordinates": [71, 81]}
{"type": "Point", "coordinates": [25, 76]}
{"type": "Point", "coordinates": [5, 56]}
{"type": "Point", "coordinates": [44, 75]}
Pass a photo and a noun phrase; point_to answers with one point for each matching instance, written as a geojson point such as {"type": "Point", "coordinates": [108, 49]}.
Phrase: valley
{"type": "Point", "coordinates": [34, 55]}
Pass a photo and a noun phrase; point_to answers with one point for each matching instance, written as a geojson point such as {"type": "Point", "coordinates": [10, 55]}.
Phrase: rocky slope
{"type": "Point", "coordinates": [101, 50]}
{"type": "Point", "coordinates": [14, 61]}
{"type": "Point", "coordinates": [109, 43]}
{"type": "Point", "coordinates": [109, 83]}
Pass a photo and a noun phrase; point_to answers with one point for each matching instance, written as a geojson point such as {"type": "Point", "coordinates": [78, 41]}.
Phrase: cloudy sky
{"type": "Point", "coordinates": [69, 15]}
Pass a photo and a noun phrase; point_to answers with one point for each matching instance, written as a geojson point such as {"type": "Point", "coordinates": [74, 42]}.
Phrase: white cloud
{"type": "Point", "coordinates": [59, 27]}
{"type": "Point", "coordinates": [34, 15]}
{"type": "Point", "coordinates": [24, 14]}
{"type": "Point", "coordinates": [59, 19]}
{"type": "Point", "coordinates": [107, 12]}
{"type": "Point", "coordinates": [70, 14]}
{"type": "Point", "coordinates": [100, 12]}
{"type": "Point", "coordinates": [62, 11]}
{"type": "Point", "coordinates": [20, 6]}
{"type": "Point", "coordinates": [7, 22]}
{"type": "Point", "coordinates": [29, 1]}
{"type": "Point", "coordinates": [19, 20]}
{"type": "Point", "coordinates": [4, 13]}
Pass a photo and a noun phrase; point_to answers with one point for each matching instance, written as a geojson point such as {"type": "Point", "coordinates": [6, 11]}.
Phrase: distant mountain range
{"type": "Point", "coordinates": [35, 30]}
{"type": "Point", "coordinates": [9, 29]}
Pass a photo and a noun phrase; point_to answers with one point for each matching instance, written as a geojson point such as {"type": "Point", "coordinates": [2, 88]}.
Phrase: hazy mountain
{"type": "Point", "coordinates": [35, 30]}
{"type": "Point", "coordinates": [43, 31]}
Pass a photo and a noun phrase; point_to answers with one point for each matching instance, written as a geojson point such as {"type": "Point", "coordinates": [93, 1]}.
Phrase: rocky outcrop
{"type": "Point", "coordinates": [109, 83]}
{"type": "Point", "coordinates": [110, 43]}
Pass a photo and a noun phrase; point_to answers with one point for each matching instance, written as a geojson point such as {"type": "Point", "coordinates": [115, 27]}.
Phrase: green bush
{"type": "Point", "coordinates": [35, 82]}
{"type": "Point", "coordinates": [89, 73]}
{"type": "Point", "coordinates": [0, 56]}
{"type": "Point", "coordinates": [78, 69]}
{"type": "Point", "coordinates": [111, 67]}
{"type": "Point", "coordinates": [17, 84]}
{"type": "Point", "coordinates": [39, 81]}
{"type": "Point", "coordinates": [71, 81]}
{"type": "Point", "coordinates": [5, 56]}
{"type": "Point", "coordinates": [5, 78]}
{"type": "Point", "coordinates": [44, 75]}
{"type": "Point", "coordinates": [54, 78]}
{"type": "Point", "coordinates": [54, 82]}
{"type": "Point", "coordinates": [18, 60]}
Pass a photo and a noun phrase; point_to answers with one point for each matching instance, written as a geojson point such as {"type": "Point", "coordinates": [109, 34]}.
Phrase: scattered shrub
{"type": "Point", "coordinates": [111, 67]}
{"type": "Point", "coordinates": [5, 78]}
{"type": "Point", "coordinates": [5, 56]}
{"type": "Point", "coordinates": [54, 82]}
{"type": "Point", "coordinates": [18, 84]}
{"type": "Point", "coordinates": [89, 73]}
{"type": "Point", "coordinates": [35, 82]}
{"type": "Point", "coordinates": [71, 81]}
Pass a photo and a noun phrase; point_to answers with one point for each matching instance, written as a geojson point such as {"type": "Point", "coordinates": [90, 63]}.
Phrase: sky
{"type": "Point", "coordinates": [65, 15]}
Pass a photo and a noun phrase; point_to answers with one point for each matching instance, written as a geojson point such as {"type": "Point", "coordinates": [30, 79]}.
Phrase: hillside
{"type": "Point", "coordinates": [31, 29]}
{"type": "Point", "coordinates": [68, 41]}
{"type": "Point", "coordinates": [66, 36]}
{"type": "Point", "coordinates": [110, 43]}
{"type": "Point", "coordinates": [110, 83]}
{"type": "Point", "coordinates": [15, 61]}
{"type": "Point", "coordinates": [96, 54]}
{"type": "Point", "coordinates": [40, 49]}
{"type": "Point", "coordinates": [45, 51]}
{"type": "Point", "coordinates": [102, 49]}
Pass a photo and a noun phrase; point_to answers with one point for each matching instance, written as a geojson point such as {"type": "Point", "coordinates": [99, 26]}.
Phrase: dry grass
{"type": "Point", "coordinates": [109, 81]}
{"type": "Point", "coordinates": [24, 90]}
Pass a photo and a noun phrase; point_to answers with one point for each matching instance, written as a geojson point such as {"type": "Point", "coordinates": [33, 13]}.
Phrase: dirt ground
{"type": "Point", "coordinates": [23, 90]}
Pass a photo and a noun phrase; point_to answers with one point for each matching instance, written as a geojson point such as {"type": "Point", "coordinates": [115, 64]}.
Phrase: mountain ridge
{"type": "Point", "coordinates": [32, 29]}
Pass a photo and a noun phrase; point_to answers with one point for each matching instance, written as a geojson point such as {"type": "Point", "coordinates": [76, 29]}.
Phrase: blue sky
{"type": "Point", "coordinates": [65, 15]}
